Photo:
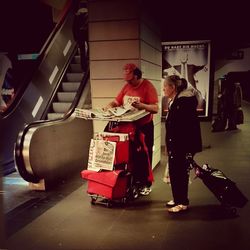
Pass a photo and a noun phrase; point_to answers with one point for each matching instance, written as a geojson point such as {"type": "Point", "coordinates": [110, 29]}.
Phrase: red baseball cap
{"type": "Point", "coordinates": [128, 71]}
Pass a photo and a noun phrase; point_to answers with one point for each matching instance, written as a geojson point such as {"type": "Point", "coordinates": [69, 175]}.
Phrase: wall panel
{"type": "Point", "coordinates": [108, 69]}
{"type": "Point", "coordinates": [111, 50]}
{"type": "Point", "coordinates": [108, 88]}
{"type": "Point", "coordinates": [150, 54]}
{"type": "Point", "coordinates": [113, 30]}
{"type": "Point", "coordinates": [150, 71]}
{"type": "Point", "coordinates": [149, 36]}
{"type": "Point", "coordinates": [112, 10]}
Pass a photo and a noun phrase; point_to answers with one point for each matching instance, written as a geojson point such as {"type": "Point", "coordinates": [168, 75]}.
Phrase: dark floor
{"type": "Point", "coordinates": [65, 219]}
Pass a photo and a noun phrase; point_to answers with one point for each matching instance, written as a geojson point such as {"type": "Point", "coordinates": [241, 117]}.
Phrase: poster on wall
{"type": "Point", "coordinates": [189, 60]}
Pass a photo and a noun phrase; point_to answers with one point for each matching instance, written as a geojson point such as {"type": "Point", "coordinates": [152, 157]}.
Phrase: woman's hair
{"type": "Point", "coordinates": [184, 84]}
{"type": "Point", "coordinates": [179, 83]}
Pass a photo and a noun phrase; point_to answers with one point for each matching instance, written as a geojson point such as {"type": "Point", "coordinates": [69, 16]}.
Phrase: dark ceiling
{"type": "Point", "coordinates": [225, 24]}
{"type": "Point", "coordinates": [24, 25]}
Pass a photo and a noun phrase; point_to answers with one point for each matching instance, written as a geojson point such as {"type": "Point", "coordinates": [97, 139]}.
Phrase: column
{"type": "Point", "coordinates": [120, 32]}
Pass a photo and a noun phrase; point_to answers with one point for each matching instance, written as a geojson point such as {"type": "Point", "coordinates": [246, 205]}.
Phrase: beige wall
{"type": "Point", "coordinates": [120, 33]}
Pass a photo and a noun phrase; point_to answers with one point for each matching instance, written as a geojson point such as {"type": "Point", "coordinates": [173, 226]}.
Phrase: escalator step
{"type": "Point", "coordinates": [61, 107]}
{"type": "Point", "coordinates": [75, 68]}
{"type": "Point", "coordinates": [74, 77]}
{"type": "Point", "coordinates": [53, 116]}
{"type": "Point", "coordinates": [70, 86]}
{"type": "Point", "coordinates": [66, 96]}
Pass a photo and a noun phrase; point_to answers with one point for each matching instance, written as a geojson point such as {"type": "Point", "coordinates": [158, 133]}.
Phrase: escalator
{"type": "Point", "coordinates": [47, 151]}
{"type": "Point", "coordinates": [45, 90]}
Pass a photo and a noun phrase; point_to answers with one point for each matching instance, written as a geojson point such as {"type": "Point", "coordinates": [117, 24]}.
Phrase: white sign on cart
{"type": "Point", "coordinates": [101, 155]}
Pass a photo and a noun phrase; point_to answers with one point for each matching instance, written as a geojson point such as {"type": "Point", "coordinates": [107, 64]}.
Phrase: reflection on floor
{"type": "Point", "coordinates": [16, 191]}
{"type": "Point", "coordinates": [22, 205]}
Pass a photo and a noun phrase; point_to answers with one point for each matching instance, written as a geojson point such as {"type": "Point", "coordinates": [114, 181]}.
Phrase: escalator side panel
{"type": "Point", "coordinates": [60, 149]}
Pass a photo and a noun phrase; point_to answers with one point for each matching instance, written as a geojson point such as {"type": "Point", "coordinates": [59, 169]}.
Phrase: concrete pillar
{"type": "Point", "coordinates": [120, 32]}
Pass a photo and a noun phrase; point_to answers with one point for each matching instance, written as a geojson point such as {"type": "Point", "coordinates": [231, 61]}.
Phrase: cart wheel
{"type": "Point", "coordinates": [93, 200]}
{"type": "Point", "coordinates": [135, 193]}
{"type": "Point", "coordinates": [109, 204]}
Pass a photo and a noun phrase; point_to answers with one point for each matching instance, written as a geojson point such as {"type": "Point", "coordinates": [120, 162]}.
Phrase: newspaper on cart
{"type": "Point", "coordinates": [121, 136]}
{"type": "Point", "coordinates": [101, 155]}
{"type": "Point", "coordinates": [101, 113]}
{"type": "Point", "coordinates": [121, 113]}
{"type": "Point", "coordinates": [102, 151]}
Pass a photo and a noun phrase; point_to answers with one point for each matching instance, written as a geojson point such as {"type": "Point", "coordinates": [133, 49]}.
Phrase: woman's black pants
{"type": "Point", "coordinates": [179, 177]}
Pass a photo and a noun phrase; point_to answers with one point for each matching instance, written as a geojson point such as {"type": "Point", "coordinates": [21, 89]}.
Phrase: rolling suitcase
{"type": "Point", "coordinates": [224, 189]}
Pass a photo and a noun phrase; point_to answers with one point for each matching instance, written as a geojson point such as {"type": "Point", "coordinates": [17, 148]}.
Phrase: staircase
{"type": "Point", "coordinates": [67, 90]}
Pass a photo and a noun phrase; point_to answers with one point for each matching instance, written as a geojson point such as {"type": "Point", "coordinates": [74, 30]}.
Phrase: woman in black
{"type": "Point", "coordinates": [183, 137]}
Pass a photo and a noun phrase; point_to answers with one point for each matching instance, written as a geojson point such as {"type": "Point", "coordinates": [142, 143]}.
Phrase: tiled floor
{"type": "Point", "coordinates": [66, 219]}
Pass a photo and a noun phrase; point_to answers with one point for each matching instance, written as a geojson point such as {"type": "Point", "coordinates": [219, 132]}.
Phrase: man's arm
{"type": "Point", "coordinates": [152, 108]}
{"type": "Point", "coordinates": [111, 105]}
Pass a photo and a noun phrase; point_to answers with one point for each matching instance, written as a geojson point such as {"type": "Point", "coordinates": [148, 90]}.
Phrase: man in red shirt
{"type": "Point", "coordinates": [144, 96]}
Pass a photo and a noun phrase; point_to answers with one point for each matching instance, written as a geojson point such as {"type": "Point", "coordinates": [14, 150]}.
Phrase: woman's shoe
{"type": "Point", "coordinates": [178, 208]}
{"type": "Point", "coordinates": [170, 203]}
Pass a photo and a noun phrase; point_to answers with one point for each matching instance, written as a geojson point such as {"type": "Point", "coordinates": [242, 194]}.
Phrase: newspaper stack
{"type": "Point", "coordinates": [101, 113]}
{"type": "Point", "coordinates": [118, 113]}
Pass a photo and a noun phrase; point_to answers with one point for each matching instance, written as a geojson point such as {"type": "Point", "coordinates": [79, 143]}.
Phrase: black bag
{"type": "Point", "coordinates": [221, 186]}
{"type": "Point", "coordinates": [239, 116]}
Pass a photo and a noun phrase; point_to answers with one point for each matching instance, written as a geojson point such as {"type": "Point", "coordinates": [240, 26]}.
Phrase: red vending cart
{"type": "Point", "coordinates": [117, 156]}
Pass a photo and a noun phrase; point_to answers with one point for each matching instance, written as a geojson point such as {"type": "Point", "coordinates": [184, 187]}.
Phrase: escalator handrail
{"type": "Point", "coordinates": [21, 136]}
{"type": "Point", "coordinates": [65, 11]}
{"type": "Point", "coordinates": [42, 54]}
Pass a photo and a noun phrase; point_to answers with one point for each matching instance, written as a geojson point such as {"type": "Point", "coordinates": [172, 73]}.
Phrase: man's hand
{"type": "Point", "coordinates": [138, 105]}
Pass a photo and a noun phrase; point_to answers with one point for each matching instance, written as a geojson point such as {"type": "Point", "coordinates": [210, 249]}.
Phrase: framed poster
{"type": "Point", "coordinates": [189, 60]}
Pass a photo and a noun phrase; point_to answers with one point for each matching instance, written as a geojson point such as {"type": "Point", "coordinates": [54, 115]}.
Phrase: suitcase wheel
{"type": "Point", "coordinates": [230, 211]}
{"type": "Point", "coordinates": [233, 211]}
